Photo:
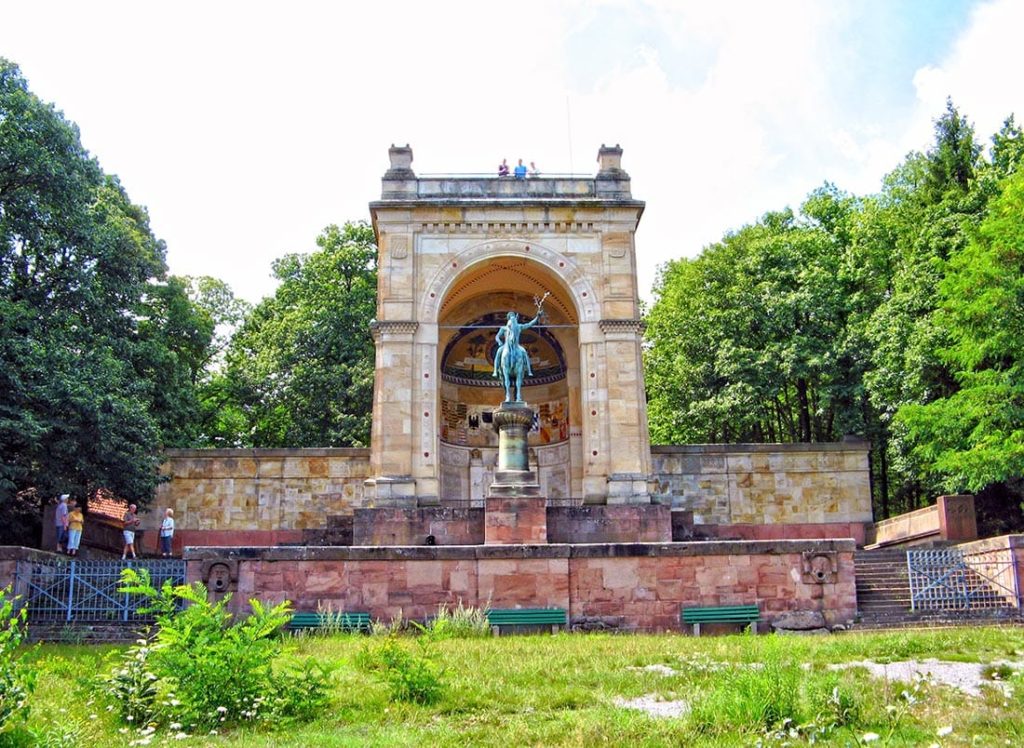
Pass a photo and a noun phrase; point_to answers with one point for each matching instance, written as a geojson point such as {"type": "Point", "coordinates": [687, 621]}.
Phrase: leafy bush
{"type": "Point", "coordinates": [411, 677]}
{"type": "Point", "coordinates": [16, 678]}
{"type": "Point", "coordinates": [201, 670]}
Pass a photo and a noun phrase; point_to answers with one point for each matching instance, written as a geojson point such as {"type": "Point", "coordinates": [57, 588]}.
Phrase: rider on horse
{"type": "Point", "coordinates": [511, 357]}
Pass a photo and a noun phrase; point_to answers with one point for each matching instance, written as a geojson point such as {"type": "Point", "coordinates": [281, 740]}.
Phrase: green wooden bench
{"type": "Point", "coordinates": [554, 617]}
{"type": "Point", "coordinates": [748, 615]}
{"type": "Point", "coordinates": [303, 621]}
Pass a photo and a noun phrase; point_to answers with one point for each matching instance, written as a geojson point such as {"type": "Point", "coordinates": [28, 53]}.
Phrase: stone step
{"type": "Point", "coordinates": [84, 633]}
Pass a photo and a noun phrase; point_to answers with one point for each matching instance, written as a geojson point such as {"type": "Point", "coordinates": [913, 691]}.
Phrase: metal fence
{"type": "Point", "coordinates": [86, 591]}
{"type": "Point", "coordinates": [949, 579]}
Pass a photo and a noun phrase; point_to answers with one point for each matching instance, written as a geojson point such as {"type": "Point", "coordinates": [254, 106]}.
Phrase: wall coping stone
{"type": "Point", "coordinates": [848, 446]}
{"type": "Point", "coordinates": [216, 454]}
{"type": "Point", "coordinates": [545, 551]}
{"type": "Point", "coordinates": [21, 553]}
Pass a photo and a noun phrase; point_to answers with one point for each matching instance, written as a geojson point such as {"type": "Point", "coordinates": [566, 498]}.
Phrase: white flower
{"type": "Point", "coordinates": [129, 718]}
{"type": "Point", "coordinates": [181, 736]}
{"type": "Point", "coordinates": [870, 737]}
{"type": "Point", "coordinates": [93, 716]}
{"type": "Point", "coordinates": [174, 726]}
{"type": "Point", "coordinates": [944, 731]}
{"type": "Point", "coordinates": [222, 709]}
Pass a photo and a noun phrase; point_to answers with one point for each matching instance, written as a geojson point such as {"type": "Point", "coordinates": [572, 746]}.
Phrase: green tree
{"type": "Point", "coordinates": [84, 350]}
{"type": "Point", "coordinates": [299, 371]}
{"type": "Point", "coordinates": [974, 436]}
{"type": "Point", "coordinates": [747, 342]}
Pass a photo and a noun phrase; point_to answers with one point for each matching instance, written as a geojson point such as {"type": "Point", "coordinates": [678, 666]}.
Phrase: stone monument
{"type": "Point", "coordinates": [513, 419]}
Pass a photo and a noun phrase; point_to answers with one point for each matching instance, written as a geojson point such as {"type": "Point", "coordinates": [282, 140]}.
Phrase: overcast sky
{"type": "Point", "coordinates": [246, 127]}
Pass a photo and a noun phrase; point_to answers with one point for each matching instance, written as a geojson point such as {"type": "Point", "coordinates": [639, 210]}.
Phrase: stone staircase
{"type": "Point", "coordinates": [883, 596]}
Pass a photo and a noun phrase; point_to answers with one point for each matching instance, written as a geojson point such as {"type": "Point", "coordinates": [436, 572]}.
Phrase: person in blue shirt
{"type": "Point", "coordinates": [520, 170]}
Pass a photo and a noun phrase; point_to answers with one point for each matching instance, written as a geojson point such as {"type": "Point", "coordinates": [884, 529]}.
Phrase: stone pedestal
{"type": "Point", "coordinates": [515, 520]}
{"type": "Point", "coordinates": [515, 511]}
{"type": "Point", "coordinates": [513, 477]}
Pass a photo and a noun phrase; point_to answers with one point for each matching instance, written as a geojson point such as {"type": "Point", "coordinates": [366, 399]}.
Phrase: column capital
{"type": "Point", "coordinates": [393, 327]}
{"type": "Point", "coordinates": [620, 326]}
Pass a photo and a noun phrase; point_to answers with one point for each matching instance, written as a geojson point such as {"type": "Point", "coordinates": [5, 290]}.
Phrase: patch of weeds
{"type": "Point", "coordinates": [457, 622]}
{"type": "Point", "coordinates": [65, 733]}
{"type": "Point", "coordinates": [71, 635]}
{"type": "Point", "coordinates": [394, 627]}
{"type": "Point", "coordinates": [411, 676]}
{"type": "Point", "coordinates": [747, 697]}
{"type": "Point", "coordinates": [997, 671]}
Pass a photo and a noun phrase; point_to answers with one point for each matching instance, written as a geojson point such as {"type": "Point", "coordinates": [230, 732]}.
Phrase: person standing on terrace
{"type": "Point", "coordinates": [503, 168]}
{"type": "Point", "coordinates": [520, 171]}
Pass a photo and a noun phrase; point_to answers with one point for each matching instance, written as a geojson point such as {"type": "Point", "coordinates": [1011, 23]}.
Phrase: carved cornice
{"type": "Point", "coordinates": [634, 326]}
{"type": "Point", "coordinates": [393, 327]}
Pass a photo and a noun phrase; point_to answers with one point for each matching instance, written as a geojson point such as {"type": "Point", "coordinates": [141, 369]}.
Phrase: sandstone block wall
{"type": "Point", "coordinates": [950, 518]}
{"type": "Point", "coordinates": [634, 587]}
{"type": "Point", "coordinates": [270, 496]}
{"type": "Point", "coordinates": [259, 490]}
{"type": "Point", "coordinates": [766, 484]}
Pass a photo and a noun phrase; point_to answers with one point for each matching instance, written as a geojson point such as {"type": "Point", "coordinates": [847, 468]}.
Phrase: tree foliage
{"type": "Point", "coordinates": [299, 371]}
{"type": "Point", "coordinates": [974, 436]}
{"type": "Point", "coordinates": [96, 347]}
{"type": "Point", "coordinates": [895, 316]}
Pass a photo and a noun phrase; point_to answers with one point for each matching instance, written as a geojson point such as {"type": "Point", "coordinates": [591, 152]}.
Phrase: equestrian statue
{"type": "Point", "coordinates": [511, 358]}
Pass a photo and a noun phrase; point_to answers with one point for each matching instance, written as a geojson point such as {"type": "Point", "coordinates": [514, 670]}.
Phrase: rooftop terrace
{"type": "Point", "coordinates": [400, 183]}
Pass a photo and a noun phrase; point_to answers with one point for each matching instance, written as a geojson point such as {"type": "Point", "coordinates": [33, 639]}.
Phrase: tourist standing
{"type": "Point", "coordinates": [534, 171]}
{"type": "Point", "coordinates": [131, 523]}
{"type": "Point", "coordinates": [60, 522]}
{"type": "Point", "coordinates": [520, 171]}
{"type": "Point", "coordinates": [76, 522]}
{"type": "Point", "coordinates": [167, 533]}
{"type": "Point", "coordinates": [503, 168]}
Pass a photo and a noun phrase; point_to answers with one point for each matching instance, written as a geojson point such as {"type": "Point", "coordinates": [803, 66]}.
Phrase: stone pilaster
{"type": "Point", "coordinates": [391, 481]}
{"type": "Point", "coordinates": [630, 461]}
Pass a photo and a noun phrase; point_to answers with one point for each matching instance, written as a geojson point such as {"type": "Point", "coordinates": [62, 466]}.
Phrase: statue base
{"type": "Point", "coordinates": [513, 477]}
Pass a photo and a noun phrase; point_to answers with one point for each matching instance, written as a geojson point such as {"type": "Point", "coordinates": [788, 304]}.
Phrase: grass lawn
{"type": "Point", "coordinates": [570, 689]}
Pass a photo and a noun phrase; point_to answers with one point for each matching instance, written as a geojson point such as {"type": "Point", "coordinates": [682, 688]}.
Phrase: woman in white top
{"type": "Point", "coordinates": [166, 533]}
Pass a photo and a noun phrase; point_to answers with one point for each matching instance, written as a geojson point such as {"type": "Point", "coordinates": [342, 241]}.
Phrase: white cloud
{"type": "Point", "coordinates": [980, 74]}
{"type": "Point", "coordinates": [246, 127]}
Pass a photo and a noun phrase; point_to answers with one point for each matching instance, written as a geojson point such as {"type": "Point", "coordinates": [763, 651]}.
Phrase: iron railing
{"type": "Point", "coordinates": [87, 591]}
{"type": "Point", "coordinates": [949, 579]}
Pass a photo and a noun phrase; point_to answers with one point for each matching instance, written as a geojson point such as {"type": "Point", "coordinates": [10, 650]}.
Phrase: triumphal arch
{"type": "Point", "coordinates": [457, 253]}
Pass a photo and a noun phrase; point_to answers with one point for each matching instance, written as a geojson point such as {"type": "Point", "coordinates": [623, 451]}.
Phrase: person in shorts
{"type": "Point", "coordinates": [167, 533]}
{"type": "Point", "coordinates": [76, 521]}
{"type": "Point", "coordinates": [131, 523]}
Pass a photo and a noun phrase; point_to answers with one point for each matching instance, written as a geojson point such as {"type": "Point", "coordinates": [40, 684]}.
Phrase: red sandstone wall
{"type": "Point", "coordinates": [648, 593]}
{"type": "Point", "coordinates": [637, 587]}
{"type": "Point", "coordinates": [411, 526]}
{"type": "Point", "coordinates": [617, 523]}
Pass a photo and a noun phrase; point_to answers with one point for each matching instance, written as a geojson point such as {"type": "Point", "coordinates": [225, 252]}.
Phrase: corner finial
{"type": "Point", "coordinates": [609, 159]}
{"type": "Point", "coordinates": [401, 162]}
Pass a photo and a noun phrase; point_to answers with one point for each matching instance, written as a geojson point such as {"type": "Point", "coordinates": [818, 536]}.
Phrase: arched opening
{"type": "Point", "coordinates": [468, 319]}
